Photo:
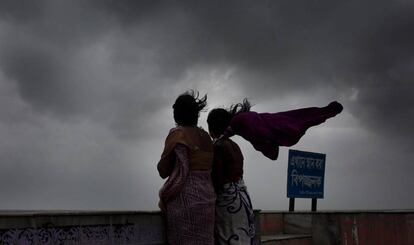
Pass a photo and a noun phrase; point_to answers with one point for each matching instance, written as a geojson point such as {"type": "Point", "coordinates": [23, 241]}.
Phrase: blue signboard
{"type": "Point", "coordinates": [306, 172]}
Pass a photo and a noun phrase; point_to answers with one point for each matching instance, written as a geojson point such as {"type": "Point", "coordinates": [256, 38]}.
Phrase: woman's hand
{"type": "Point", "coordinates": [162, 207]}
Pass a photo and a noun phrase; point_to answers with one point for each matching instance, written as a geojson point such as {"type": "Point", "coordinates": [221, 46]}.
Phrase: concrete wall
{"type": "Point", "coordinates": [103, 228]}
{"type": "Point", "coordinates": [376, 228]}
{"type": "Point", "coordinates": [350, 228]}
{"type": "Point", "coordinates": [81, 228]}
{"type": "Point", "coordinates": [127, 228]}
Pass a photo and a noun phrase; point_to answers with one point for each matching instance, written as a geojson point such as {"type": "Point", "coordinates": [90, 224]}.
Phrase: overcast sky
{"type": "Point", "coordinates": [86, 89]}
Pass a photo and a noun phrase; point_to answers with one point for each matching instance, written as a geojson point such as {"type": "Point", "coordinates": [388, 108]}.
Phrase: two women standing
{"type": "Point", "coordinates": [205, 198]}
{"type": "Point", "coordinates": [188, 197]}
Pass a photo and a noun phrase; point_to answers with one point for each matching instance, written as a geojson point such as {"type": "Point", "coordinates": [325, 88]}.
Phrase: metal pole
{"type": "Point", "coordinates": [314, 203]}
{"type": "Point", "coordinates": [291, 204]}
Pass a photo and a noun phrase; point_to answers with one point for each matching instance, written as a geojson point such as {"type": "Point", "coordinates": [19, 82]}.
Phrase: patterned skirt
{"type": "Point", "coordinates": [234, 215]}
{"type": "Point", "coordinates": [190, 215]}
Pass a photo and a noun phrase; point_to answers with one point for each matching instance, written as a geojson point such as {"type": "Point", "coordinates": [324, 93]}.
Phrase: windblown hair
{"type": "Point", "coordinates": [240, 107]}
{"type": "Point", "coordinates": [219, 119]}
{"type": "Point", "coordinates": [187, 108]}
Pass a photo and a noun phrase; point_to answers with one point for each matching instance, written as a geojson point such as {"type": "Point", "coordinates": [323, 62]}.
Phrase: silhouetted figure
{"type": "Point", "coordinates": [234, 222]}
{"type": "Point", "coordinates": [188, 197]}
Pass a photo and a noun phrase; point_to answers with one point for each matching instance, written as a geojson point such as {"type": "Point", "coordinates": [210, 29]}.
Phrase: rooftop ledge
{"type": "Point", "coordinates": [356, 211]}
{"type": "Point", "coordinates": [6, 213]}
{"type": "Point", "coordinates": [38, 213]}
{"type": "Point", "coordinates": [126, 227]}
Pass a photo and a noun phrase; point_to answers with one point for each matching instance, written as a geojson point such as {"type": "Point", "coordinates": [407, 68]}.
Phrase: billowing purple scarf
{"type": "Point", "coordinates": [267, 131]}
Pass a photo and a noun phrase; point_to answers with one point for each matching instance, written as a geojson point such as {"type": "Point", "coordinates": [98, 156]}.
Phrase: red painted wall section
{"type": "Point", "coordinates": [378, 229]}
{"type": "Point", "coordinates": [271, 223]}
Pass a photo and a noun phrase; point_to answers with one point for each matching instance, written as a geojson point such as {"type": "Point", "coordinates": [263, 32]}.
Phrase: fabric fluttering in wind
{"type": "Point", "coordinates": [267, 131]}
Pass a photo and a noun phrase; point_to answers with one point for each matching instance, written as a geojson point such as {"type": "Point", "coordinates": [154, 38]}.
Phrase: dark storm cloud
{"type": "Point", "coordinates": [277, 47]}
{"type": "Point", "coordinates": [281, 47]}
{"type": "Point", "coordinates": [382, 72]}
{"type": "Point", "coordinates": [38, 43]}
{"type": "Point", "coordinates": [77, 78]}
{"type": "Point", "coordinates": [20, 10]}
{"type": "Point", "coordinates": [70, 60]}
{"type": "Point", "coordinates": [41, 75]}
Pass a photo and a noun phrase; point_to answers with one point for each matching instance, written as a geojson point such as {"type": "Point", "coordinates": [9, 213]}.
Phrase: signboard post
{"type": "Point", "coordinates": [305, 179]}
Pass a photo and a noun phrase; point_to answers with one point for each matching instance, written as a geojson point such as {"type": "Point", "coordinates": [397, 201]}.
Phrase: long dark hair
{"type": "Point", "coordinates": [240, 107]}
{"type": "Point", "coordinates": [187, 108]}
{"type": "Point", "coordinates": [219, 118]}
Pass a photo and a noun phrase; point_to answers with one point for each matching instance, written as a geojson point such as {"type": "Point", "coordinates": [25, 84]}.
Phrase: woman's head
{"type": "Point", "coordinates": [219, 119]}
{"type": "Point", "coordinates": [187, 108]}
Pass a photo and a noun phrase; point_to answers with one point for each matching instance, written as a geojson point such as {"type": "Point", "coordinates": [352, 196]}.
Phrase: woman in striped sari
{"type": "Point", "coordinates": [188, 197]}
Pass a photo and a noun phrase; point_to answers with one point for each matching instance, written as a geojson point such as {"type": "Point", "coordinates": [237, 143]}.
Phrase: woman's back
{"type": "Point", "coordinates": [189, 192]}
{"type": "Point", "coordinates": [188, 197]}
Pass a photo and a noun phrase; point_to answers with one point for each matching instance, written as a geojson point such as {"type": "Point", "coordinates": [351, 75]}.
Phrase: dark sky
{"type": "Point", "coordinates": [86, 89]}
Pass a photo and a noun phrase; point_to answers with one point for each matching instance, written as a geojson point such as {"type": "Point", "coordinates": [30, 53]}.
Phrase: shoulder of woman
{"type": "Point", "coordinates": [202, 130]}
{"type": "Point", "coordinates": [226, 142]}
{"type": "Point", "coordinates": [175, 129]}
{"type": "Point", "coordinates": [230, 145]}
{"type": "Point", "coordinates": [232, 150]}
{"type": "Point", "coordinates": [176, 135]}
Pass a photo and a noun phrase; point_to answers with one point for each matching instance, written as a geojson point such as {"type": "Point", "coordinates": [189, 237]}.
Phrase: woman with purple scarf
{"type": "Point", "coordinates": [234, 221]}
